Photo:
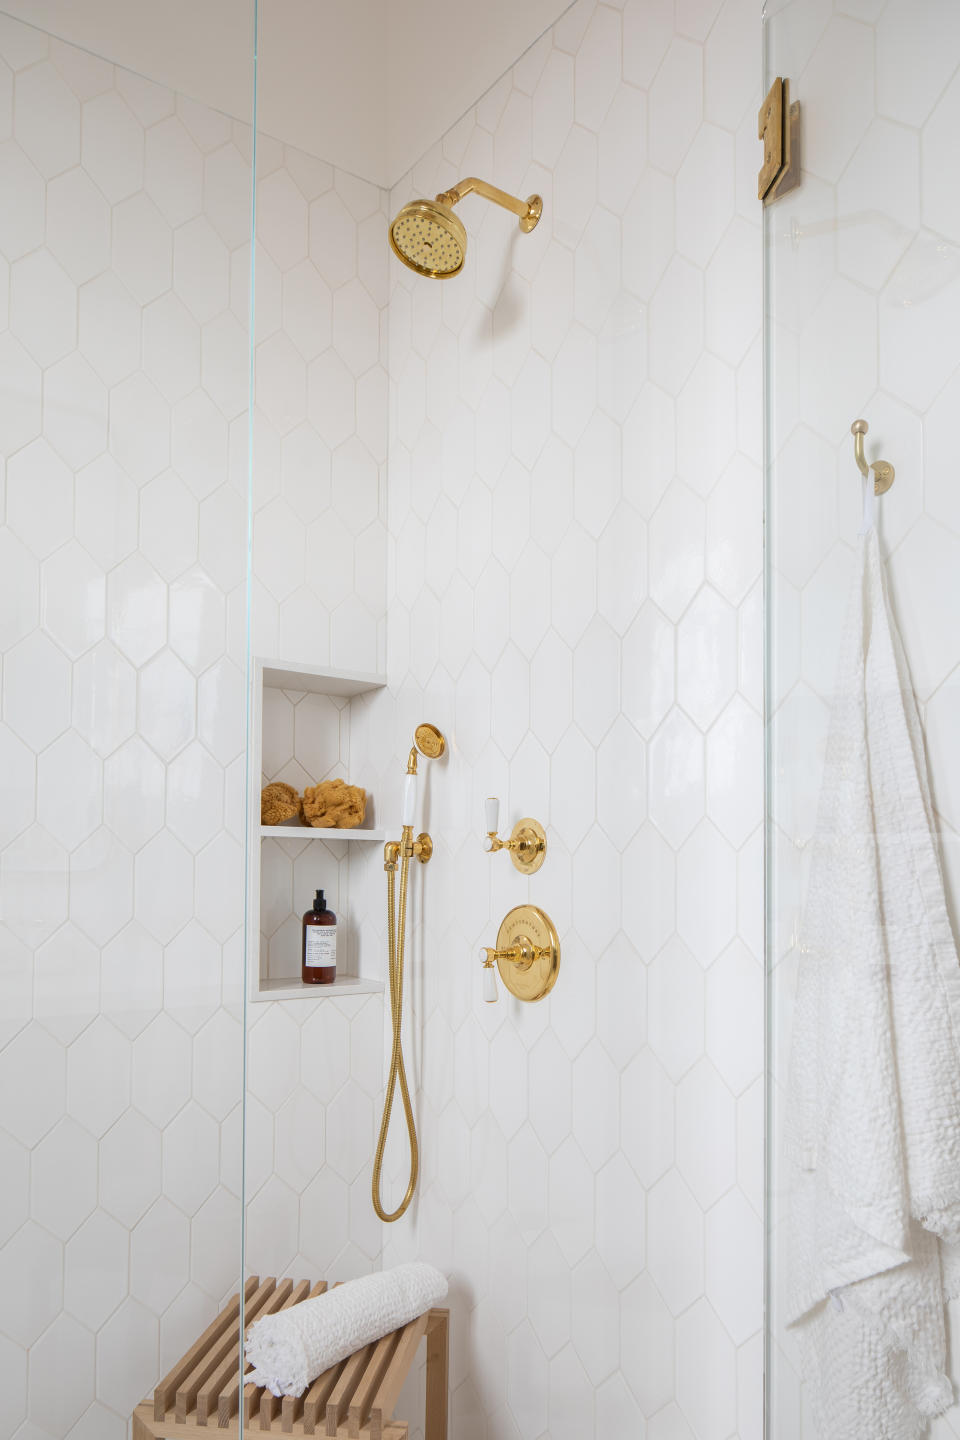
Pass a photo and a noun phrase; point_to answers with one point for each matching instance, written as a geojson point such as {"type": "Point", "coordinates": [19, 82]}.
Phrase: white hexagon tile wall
{"type": "Point", "coordinates": [575, 551]}
{"type": "Point", "coordinates": [571, 552]}
{"type": "Point", "coordinates": [124, 361]}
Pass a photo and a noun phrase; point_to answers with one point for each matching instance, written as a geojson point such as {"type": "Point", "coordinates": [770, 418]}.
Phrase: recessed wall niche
{"type": "Point", "coordinates": [300, 734]}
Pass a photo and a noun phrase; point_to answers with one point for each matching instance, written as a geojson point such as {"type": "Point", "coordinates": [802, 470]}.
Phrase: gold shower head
{"type": "Point", "coordinates": [430, 239]}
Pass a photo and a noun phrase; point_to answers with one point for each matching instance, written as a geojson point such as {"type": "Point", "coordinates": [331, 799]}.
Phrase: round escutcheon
{"type": "Point", "coordinates": [531, 928]}
{"type": "Point", "coordinates": [529, 840]}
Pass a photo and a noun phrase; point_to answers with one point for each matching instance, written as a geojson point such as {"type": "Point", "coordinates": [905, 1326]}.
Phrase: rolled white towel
{"type": "Point", "coordinates": [290, 1349]}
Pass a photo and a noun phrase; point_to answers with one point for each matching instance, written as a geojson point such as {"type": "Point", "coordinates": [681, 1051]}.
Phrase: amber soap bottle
{"type": "Point", "coordinates": [319, 963]}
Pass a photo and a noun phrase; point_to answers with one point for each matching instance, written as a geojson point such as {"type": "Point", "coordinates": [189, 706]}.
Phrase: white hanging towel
{"type": "Point", "coordinates": [873, 1127]}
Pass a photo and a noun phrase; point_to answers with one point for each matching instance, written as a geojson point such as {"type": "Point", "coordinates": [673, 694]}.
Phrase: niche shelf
{"type": "Point", "coordinates": [300, 733]}
{"type": "Point", "coordinates": [316, 832]}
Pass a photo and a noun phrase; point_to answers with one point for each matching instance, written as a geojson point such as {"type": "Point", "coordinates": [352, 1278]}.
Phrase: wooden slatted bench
{"type": "Point", "coordinates": [204, 1394]}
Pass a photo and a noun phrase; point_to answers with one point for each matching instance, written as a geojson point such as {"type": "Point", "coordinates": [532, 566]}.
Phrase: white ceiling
{"type": "Point", "coordinates": [366, 84]}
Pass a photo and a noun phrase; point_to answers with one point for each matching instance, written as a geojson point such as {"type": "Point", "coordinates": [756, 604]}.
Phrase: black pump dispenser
{"type": "Point", "coordinates": [319, 947]}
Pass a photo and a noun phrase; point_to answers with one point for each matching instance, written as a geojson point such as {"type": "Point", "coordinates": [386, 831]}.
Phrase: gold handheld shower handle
{"type": "Point", "coordinates": [398, 853]}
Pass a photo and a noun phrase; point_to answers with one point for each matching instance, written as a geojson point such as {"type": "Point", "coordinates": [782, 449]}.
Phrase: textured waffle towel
{"type": "Point", "coordinates": [874, 1106]}
{"type": "Point", "coordinates": [290, 1349]}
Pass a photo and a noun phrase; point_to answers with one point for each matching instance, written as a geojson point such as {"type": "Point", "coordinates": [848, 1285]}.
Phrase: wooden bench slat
{"type": "Point", "coordinates": [343, 1390]}
{"type": "Point", "coordinates": [228, 1400]}
{"type": "Point", "coordinates": [165, 1391]}
{"type": "Point", "coordinates": [259, 1398]}
{"type": "Point", "coordinates": [292, 1405]}
{"type": "Point", "coordinates": [251, 1402]}
{"type": "Point", "coordinates": [226, 1358]}
{"type": "Point", "coordinates": [359, 1410]}
{"type": "Point", "coordinates": [437, 1399]}
{"type": "Point", "coordinates": [392, 1380]}
{"type": "Point", "coordinates": [188, 1391]}
{"type": "Point", "coordinates": [270, 1403]}
{"type": "Point", "coordinates": [291, 1410]}
{"type": "Point", "coordinates": [269, 1408]}
{"type": "Point", "coordinates": [209, 1393]}
{"type": "Point", "coordinates": [315, 1400]}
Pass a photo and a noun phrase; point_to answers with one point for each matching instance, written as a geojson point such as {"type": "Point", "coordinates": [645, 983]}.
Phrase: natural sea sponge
{"type": "Point", "coordinates": [279, 803]}
{"type": "Point", "coordinates": [334, 803]}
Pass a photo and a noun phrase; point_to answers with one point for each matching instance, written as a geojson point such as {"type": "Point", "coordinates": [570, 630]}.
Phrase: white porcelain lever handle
{"type": "Point", "coordinates": [491, 814]}
{"type": "Point", "coordinates": [490, 992]}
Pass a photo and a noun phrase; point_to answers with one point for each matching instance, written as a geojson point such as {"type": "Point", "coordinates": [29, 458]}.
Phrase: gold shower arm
{"type": "Point", "coordinates": [529, 210]}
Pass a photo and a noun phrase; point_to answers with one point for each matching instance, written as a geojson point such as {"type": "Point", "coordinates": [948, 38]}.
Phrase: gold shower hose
{"type": "Point", "coordinates": [395, 934]}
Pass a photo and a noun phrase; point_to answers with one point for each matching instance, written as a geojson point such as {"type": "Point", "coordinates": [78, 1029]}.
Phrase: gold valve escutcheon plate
{"type": "Point", "coordinates": [529, 927]}
{"type": "Point", "coordinates": [528, 843]}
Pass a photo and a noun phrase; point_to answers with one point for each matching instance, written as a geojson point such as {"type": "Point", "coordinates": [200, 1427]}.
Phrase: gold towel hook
{"type": "Point", "coordinates": [883, 471]}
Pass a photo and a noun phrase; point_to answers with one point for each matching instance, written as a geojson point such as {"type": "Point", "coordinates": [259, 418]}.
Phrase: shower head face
{"type": "Point", "coordinates": [429, 741]}
{"type": "Point", "coordinates": [430, 239]}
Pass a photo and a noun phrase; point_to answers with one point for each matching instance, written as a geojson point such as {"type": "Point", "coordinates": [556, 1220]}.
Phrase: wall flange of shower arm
{"type": "Point", "coordinates": [431, 240]}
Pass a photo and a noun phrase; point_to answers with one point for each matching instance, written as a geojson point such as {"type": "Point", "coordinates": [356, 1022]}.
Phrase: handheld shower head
{"type": "Point", "coordinates": [429, 741]}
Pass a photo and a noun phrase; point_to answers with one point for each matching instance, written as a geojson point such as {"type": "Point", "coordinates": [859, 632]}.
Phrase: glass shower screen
{"type": "Point", "coordinates": [862, 303]}
{"type": "Point", "coordinates": [125, 198]}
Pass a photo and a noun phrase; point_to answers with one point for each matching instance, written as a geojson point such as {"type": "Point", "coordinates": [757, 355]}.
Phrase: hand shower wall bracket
{"type": "Point", "coordinates": [419, 849]}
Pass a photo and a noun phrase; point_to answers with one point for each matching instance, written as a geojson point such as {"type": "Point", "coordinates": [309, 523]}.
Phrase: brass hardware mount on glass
{"type": "Point", "coordinates": [778, 126]}
{"type": "Point", "coordinates": [431, 240]}
{"type": "Point", "coordinates": [883, 471]}
{"type": "Point", "coordinates": [527, 845]}
{"type": "Point", "coordinates": [527, 955]}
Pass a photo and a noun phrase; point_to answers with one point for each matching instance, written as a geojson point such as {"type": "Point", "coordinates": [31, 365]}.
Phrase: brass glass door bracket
{"type": "Point", "coordinates": [778, 126]}
{"type": "Point", "coordinates": [527, 846]}
{"type": "Point", "coordinates": [527, 955]}
{"type": "Point", "coordinates": [529, 210]}
{"type": "Point", "coordinates": [883, 471]}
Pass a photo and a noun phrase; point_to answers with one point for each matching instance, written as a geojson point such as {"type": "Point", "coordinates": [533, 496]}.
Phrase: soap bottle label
{"type": "Point", "coordinates": [320, 946]}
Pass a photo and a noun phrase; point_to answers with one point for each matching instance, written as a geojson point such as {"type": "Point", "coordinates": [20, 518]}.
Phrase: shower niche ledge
{"type": "Point", "coordinates": [300, 733]}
